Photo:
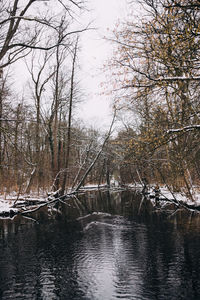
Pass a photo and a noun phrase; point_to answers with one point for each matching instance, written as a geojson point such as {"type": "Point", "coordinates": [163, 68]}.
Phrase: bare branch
{"type": "Point", "coordinates": [98, 154]}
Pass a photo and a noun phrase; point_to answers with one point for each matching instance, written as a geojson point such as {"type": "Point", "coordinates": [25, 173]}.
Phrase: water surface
{"type": "Point", "coordinates": [102, 246]}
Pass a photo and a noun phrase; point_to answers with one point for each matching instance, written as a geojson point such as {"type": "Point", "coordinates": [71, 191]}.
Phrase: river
{"type": "Point", "coordinates": [101, 246]}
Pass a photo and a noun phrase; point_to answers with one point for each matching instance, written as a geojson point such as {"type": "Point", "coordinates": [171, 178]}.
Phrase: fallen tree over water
{"type": "Point", "coordinates": [26, 206]}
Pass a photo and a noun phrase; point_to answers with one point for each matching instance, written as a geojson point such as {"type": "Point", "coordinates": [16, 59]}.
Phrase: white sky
{"type": "Point", "coordinates": [95, 51]}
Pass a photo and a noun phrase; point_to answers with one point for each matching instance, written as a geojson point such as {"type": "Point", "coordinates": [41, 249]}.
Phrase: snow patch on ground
{"type": "Point", "coordinates": [5, 205]}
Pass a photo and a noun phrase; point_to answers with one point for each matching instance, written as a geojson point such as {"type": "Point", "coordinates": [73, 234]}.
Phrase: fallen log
{"type": "Point", "coordinates": [177, 202]}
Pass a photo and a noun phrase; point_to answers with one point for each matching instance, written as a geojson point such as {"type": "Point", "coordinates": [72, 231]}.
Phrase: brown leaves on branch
{"type": "Point", "coordinates": [158, 74]}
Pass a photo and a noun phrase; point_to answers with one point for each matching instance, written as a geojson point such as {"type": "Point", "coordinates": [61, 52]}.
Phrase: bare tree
{"type": "Point", "coordinates": [39, 84]}
{"type": "Point", "coordinates": [71, 98]}
{"type": "Point", "coordinates": [23, 28]}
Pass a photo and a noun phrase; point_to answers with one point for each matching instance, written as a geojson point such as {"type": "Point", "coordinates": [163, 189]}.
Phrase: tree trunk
{"type": "Point", "coordinates": [65, 175]}
{"type": "Point", "coordinates": [97, 156]}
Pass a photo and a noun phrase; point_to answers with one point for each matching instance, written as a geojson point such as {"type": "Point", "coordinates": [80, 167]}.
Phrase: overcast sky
{"type": "Point", "coordinates": [95, 51]}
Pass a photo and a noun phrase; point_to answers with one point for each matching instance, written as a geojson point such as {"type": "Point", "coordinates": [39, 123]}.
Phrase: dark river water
{"type": "Point", "coordinates": [101, 246]}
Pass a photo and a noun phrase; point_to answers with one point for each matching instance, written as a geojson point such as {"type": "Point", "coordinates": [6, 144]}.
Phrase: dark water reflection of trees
{"type": "Point", "coordinates": [128, 251]}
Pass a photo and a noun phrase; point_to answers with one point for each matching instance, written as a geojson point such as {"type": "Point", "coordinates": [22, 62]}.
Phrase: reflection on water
{"type": "Point", "coordinates": [115, 249]}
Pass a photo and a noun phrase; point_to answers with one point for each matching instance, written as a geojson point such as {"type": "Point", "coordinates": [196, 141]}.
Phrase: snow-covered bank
{"type": "Point", "coordinates": [14, 205]}
{"type": "Point", "coordinates": [181, 197]}
{"type": "Point", "coordinates": [178, 196]}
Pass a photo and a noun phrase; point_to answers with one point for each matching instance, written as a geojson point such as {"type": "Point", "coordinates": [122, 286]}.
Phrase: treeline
{"type": "Point", "coordinates": [43, 146]}
{"type": "Point", "coordinates": [36, 162]}
{"type": "Point", "coordinates": [156, 68]}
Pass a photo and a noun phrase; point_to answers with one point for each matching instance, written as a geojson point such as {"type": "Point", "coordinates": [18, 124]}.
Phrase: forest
{"type": "Point", "coordinates": [155, 69]}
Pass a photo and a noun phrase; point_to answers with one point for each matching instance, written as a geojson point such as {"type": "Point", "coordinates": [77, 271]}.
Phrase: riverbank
{"type": "Point", "coordinates": [180, 197]}
{"type": "Point", "coordinates": [13, 204]}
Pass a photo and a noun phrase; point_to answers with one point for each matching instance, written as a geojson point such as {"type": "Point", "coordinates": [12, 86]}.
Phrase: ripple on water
{"type": "Point", "coordinates": [102, 266]}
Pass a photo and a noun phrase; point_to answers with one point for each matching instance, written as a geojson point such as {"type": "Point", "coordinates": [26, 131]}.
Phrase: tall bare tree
{"type": "Point", "coordinates": [71, 98]}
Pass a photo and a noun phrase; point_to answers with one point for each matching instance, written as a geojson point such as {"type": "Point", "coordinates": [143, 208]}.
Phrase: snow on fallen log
{"type": "Point", "coordinates": [6, 209]}
{"type": "Point", "coordinates": [185, 129]}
